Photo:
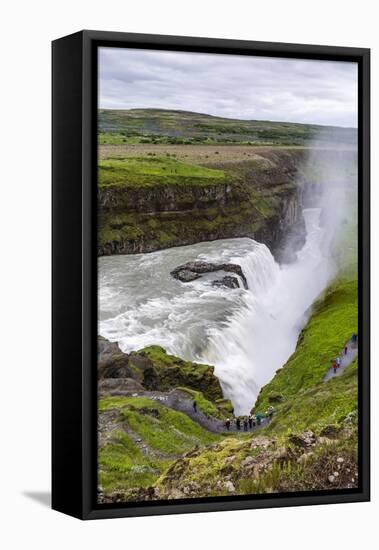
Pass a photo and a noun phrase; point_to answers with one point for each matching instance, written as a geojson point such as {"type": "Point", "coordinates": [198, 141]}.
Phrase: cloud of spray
{"type": "Point", "coordinates": [259, 339]}
{"type": "Point", "coordinates": [329, 181]}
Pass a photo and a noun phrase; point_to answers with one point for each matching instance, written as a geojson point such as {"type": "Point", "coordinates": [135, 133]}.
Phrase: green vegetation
{"type": "Point", "coordinates": [309, 471]}
{"type": "Point", "coordinates": [167, 372]}
{"type": "Point", "coordinates": [154, 437]}
{"type": "Point", "coordinates": [165, 229]}
{"type": "Point", "coordinates": [185, 203]}
{"type": "Point", "coordinates": [152, 171]}
{"type": "Point", "coordinates": [301, 398]}
{"type": "Point", "coordinates": [123, 466]}
{"type": "Point", "coordinates": [159, 126]}
{"type": "Point", "coordinates": [211, 409]}
{"type": "Point", "coordinates": [263, 464]}
{"type": "Point", "coordinates": [322, 405]}
{"type": "Point", "coordinates": [333, 321]}
{"type": "Point", "coordinates": [145, 445]}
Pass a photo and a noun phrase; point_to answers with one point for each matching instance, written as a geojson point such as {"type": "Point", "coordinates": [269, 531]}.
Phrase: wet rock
{"type": "Point", "coordinates": [227, 281]}
{"type": "Point", "coordinates": [331, 479]}
{"type": "Point", "coordinates": [194, 270]}
{"type": "Point", "coordinates": [186, 276]}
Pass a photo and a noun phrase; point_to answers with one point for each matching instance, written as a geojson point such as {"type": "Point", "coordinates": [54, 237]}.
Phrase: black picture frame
{"type": "Point", "coordinates": [74, 272]}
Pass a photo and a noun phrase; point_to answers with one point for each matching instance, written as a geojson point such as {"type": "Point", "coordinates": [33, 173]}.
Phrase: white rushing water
{"type": "Point", "coordinates": [246, 334]}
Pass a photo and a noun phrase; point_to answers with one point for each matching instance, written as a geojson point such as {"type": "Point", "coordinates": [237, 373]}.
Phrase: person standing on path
{"type": "Point", "coordinates": [338, 361]}
{"type": "Point", "coordinates": [245, 425]}
{"type": "Point", "coordinates": [195, 406]}
{"type": "Point", "coordinates": [335, 367]}
{"type": "Point", "coordinates": [238, 423]}
{"type": "Point", "coordinates": [250, 422]}
{"type": "Point", "coordinates": [346, 348]}
{"type": "Point", "coordinates": [227, 424]}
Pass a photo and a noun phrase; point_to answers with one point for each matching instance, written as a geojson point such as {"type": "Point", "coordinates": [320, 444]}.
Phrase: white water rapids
{"type": "Point", "coordinates": [246, 334]}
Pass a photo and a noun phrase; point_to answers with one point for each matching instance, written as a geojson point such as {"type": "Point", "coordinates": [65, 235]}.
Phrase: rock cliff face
{"type": "Point", "coordinates": [151, 369]}
{"type": "Point", "coordinates": [260, 199]}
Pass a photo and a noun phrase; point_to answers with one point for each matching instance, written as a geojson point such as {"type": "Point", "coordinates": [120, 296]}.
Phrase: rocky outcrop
{"type": "Point", "coordinates": [191, 271]}
{"type": "Point", "coordinates": [262, 465]}
{"type": "Point", "coordinates": [260, 199]}
{"type": "Point", "coordinates": [151, 369]}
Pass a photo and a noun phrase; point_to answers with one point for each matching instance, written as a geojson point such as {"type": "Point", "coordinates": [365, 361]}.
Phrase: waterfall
{"type": "Point", "coordinates": [246, 334]}
{"type": "Point", "coordinates": [259, 338]}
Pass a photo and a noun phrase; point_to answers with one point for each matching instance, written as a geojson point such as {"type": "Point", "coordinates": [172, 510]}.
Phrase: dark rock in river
{"type": "Point", "coordinates": [228, 281]}
{"type": "Point", "coordinates": [193, 270]}
{"type": "Point", "coordinates": [186, 276]}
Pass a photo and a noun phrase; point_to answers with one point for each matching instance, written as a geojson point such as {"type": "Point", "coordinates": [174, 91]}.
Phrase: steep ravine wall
{"type": "Point", "coordinates": [260, 199]}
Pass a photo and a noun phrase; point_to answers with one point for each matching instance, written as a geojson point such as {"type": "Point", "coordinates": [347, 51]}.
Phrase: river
{"type": "Point", "coordinates": [246, 334]}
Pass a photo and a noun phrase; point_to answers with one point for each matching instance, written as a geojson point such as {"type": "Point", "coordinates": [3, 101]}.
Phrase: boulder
{"type": "Point", "coordinates": [194, 270]}
{"type": "Point", "coordinates": [112, 362]}
{"type": "Point", "coordinates": [164, 372]}
{"type": "Point", "coordinates": [305, 439]}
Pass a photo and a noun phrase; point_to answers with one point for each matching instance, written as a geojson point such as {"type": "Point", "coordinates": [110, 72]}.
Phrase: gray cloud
{"type": "Point", "coordinates": [263, 88]}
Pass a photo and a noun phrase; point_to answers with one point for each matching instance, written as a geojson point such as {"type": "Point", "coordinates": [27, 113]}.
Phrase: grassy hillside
{"type": "Point", "coordinates": [148, 451]}
{"type": "Point", "coordinates": [152, 171]}
{"type": "Point", "coordinates": [152, 202]}
{"type": "Point", "coordinates": [184, 191]}
{"type": "Point", "coordinates": [334, 320]}
{"type": "Point", "coordinates": [142, 438]}
{"type": "Point", "coordinates": [302, 399]}
{"type": "Point", "coordinates": [158, 126]}
{"type": "Point", "coordinates": [311, 442]}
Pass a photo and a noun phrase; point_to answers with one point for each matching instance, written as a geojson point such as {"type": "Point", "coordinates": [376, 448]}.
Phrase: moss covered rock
{"type": "Point", "coordinates": [167, 372]}
{"type": "Point", "coordinates": [153, 369]}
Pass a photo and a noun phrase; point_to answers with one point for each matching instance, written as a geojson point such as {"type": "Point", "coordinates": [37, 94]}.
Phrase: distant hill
{"type": "Point", "coordinates": [183, 127]}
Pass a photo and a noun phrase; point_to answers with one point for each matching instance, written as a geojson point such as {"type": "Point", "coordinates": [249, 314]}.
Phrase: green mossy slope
{"type": "Point", "coordinates": [333, 321]}
{"type": "Point", "coordinates": [142, 438]}
{"type": "Point", "coordinates": [168, 372]}
{"type": "Point", "coordinates": [153, 171]}
{"type": "Point", "coordinates": [311, 442]}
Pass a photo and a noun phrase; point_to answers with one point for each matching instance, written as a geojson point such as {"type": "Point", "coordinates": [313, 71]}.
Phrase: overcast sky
{"type": "Point", "coordinates": [262, 88]}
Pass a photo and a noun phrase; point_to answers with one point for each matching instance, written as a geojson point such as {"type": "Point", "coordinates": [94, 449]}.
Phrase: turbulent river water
{"type": "Point", "coordinates": [246, 334]}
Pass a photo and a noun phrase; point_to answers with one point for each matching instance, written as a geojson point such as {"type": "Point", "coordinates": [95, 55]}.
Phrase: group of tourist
{"type": "Point", "coordinates": [247, 423]}
{"type": "Point", "coordinates": [244, 423]}
{"type": "Point", "coordinates": [353, 342]}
